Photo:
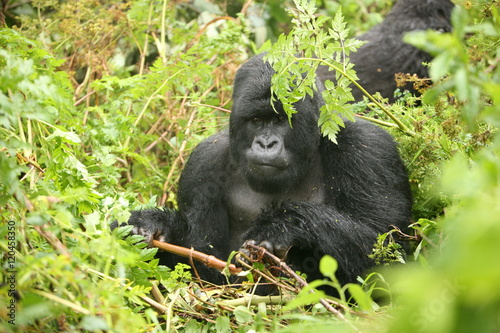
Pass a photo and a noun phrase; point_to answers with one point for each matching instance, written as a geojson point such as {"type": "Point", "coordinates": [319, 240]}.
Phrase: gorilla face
{"type": "Point", "coordinates": [271, 155]}
{"type": "Point", "coordinates": [267, 154]}
{"type": "Point", "coordinates": [263, 157]}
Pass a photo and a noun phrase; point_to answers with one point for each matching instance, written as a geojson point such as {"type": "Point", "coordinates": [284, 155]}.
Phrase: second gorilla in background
{"type": "Point", "coordinates": [385, 54]}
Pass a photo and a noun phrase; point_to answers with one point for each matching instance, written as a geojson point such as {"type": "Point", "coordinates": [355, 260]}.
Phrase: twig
{"type": "Point", "coordinates": [160, 307]}
{"type": "Point", "coordinates": [210, 106]}
{"type": "Point", "coordinates": [27, 160]}
{"type": "Point", "coordinates": [155, 291]}
{"type": "Point", "coordinates": [208, 260]}
{"type": "Point", "coordinates": [52, 239]}
{"type": "Point", "coordinates": [169, 309]}
{"type": "Point", "coordinates": [84, 97]}
{"type": "Point", "coordinates": [288, 271]}
{"type": "Point", "coordinates": [263, 274]}
{"type": "Point", "coordinates": [376, 121]}
{"type": "Point", "coordinates": [62, 301]}
{"type": "Point", "coordinates": [163, 40]}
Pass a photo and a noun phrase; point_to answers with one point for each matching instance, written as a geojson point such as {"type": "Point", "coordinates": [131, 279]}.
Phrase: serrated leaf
{"type": "Point", "coordinates": [135, 239]}
{"type": "Point", "coordinates": [321, 20]}
{"type": "Point", "coordinates": [148, 254]}
{"type": "Point", "coordinates": [122, 232]}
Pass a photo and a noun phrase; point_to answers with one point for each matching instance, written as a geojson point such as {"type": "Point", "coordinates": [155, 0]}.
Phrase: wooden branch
{"type": "Point", "coordinates": [208, 260]}
{"type": "Point", "coordinates": [291, 273]}
{"type": "Point", "coordinates": [211, 261]}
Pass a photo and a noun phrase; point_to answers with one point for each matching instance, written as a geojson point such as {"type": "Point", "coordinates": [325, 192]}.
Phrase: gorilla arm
{"type": "Point", "coordinates": [201, 221]}
{"type": "Point", "coordinates": [303, 233]}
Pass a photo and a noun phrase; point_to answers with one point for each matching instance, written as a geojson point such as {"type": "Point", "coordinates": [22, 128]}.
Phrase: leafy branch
{"type": "Point", "coordinates": [353, 80]}
{"type": "Point", "coordinates": [296, 57]}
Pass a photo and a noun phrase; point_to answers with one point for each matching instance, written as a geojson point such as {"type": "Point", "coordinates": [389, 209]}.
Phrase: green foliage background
{"type": "Point", "coordinates": [100, 105]}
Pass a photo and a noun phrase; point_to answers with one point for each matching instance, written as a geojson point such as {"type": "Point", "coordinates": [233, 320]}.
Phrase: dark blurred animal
{"type": "Point", "coordinates": [385, 53]}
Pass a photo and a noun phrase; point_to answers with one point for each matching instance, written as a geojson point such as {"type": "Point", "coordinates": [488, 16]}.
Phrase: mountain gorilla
{"type": "Point", "coordinates": [286, 188]}
{"type": "Point", "coordinates": [385, 54]}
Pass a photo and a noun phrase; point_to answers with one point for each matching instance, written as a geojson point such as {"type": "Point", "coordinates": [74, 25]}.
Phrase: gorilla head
{"type": "Point", "coordinates": [272, 155]}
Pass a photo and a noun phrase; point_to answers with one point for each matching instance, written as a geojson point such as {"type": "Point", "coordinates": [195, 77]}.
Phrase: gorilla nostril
{"type": "Point", "coordinates": [273, 143]}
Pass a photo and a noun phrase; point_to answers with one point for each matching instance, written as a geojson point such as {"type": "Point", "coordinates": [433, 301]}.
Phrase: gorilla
{"type": "Point", "coordinates": [284, 187]}
{"type": "Point", "coordinates": [385, 54]}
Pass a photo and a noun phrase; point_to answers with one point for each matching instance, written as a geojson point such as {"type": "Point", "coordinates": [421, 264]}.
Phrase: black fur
{"type": "Point", "coordinates": [385, 54]}
{"type": "Point", "coordinates": [264, 181]}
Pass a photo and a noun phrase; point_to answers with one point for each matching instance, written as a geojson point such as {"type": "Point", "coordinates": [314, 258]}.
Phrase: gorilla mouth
{"type": "Point", "coordinates": [267, 173]}
{"type": "Point", "coordinates": [269, 165]}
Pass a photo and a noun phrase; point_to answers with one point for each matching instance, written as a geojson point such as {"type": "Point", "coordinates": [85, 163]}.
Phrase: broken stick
{"type": "Point", "coordinates": [208, 260]}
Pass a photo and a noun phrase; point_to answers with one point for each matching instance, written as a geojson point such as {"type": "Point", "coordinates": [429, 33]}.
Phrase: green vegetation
{"type": "Point", "coordinates": [101, 103]}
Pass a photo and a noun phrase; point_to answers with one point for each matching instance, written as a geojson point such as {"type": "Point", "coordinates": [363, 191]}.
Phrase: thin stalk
{"type": "Point", "coordinates": [63, 301]}
{"type": "Point", "coordinates": [376, 121]}
{"type": "Point", "coordinates": [143, 111]}
{"type": "Point", "coordinates": [163, 40]}
{"type": "Point", "coordinates": [401, 126]}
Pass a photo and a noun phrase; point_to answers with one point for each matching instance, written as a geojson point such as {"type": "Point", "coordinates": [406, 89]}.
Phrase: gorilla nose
{"type": "Point", "coordinates": [267, 145]}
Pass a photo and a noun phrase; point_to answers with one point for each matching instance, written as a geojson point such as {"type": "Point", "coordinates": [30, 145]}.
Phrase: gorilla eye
{"type": "Point", "coordinates": [256, 120]}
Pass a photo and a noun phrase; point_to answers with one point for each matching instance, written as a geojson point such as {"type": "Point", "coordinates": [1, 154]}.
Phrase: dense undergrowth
{"type": "Point", "coordinates": [100, 105]}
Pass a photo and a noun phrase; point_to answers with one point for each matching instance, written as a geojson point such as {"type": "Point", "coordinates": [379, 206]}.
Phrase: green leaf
{"type": "Point", "coordinates": [222, 324]}
{"type": "Point", "coordinates": [440, 66]}
{"type": "Point", "coordinates": [94, 323]}
{"type": "Point", "coordinates": [459, 20]}
{"type": "Point", "coordinates": [243, 315]}
{"type": "Point", "coordinates": [462, 84]}
{"type": "Point", "coordinates": [360, 296]}
{"type": "Point", "coordinates": [68, 137]}
{"type": "Point", "coordinates": [122, 232]}
{"type": "Point", "coordinates": [148, 254]}
{"type": "Point", "coordinates": [305, 299]}
{"type": "Point", "coordinates": [328, 266]}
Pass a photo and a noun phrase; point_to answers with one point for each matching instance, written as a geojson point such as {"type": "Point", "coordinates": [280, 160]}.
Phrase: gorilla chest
{"type": "Point", "coordinates": [244, 204]}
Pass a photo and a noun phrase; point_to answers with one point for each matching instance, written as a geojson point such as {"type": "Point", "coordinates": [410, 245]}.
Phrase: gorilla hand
{"type": "Point", "coordinates": [158, 224]}
{"type": "Point", "coordinates": [248, 252]}
{"type": "Point", "coordinates": [278, 229]}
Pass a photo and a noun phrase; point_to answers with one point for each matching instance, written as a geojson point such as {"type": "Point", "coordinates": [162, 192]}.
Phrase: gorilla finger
{"type": "Point", "coordinates": [279, 250]}
{"type": "Point", "coordinates": [244, 254]}
{"type": "Point", "coordinates": [115, 225]}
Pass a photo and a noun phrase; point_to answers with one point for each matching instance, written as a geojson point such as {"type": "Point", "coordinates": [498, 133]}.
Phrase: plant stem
{"type": "Point", "coordinates": [401, 126]}
{"type": "Point", "coordinates": [63, 301]}
{"type": "Point", "coordinates": [146, 105]}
